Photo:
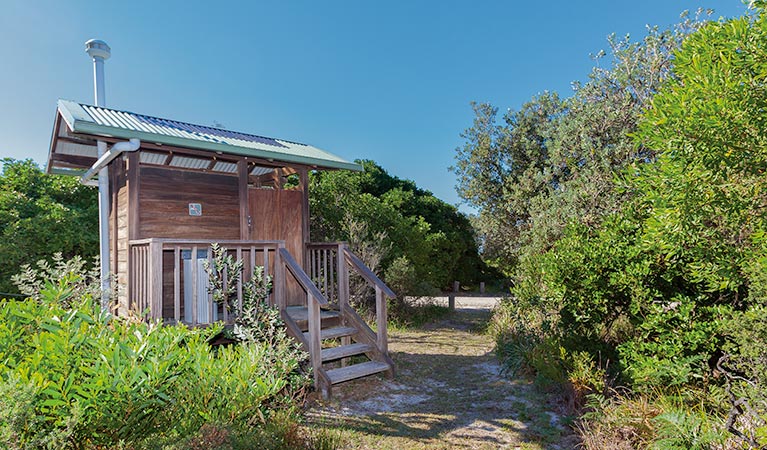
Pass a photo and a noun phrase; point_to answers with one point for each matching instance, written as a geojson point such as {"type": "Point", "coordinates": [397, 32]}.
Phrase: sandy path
{"type": "Point", "coordinates": [448, 393]}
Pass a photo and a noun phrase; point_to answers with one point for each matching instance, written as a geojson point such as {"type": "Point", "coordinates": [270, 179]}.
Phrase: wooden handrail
{"type": "Point", "coordinates": [382, 291]}
{"type": "Point", "coordinates": [302, 277]}
{"type": "Point", "coordinates": [314, 299]}
{"type": "Point", "coordinates": [367, 274]}
{"type": "Point", "coordinates": [223, 243]}
{"type": "Point", "coordinates": [332, 244]}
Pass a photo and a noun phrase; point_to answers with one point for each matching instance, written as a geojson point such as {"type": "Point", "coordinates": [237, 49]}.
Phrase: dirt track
{"type": "Point", "coordinates": [449, 392]}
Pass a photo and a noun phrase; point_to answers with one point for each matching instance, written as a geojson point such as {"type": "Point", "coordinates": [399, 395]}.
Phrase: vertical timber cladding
{"type": "Point", "coordinates": [118, 231]}
{"type": "Point", "coordinates": [164, 201]}
{"type": "Point", "coordinates": [164, 198]}
{"type": "Point", "coordinates": [277, 214]}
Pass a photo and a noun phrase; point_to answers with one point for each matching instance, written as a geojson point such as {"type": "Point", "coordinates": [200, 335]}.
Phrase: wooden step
{"type": "Point", "coordinates": [300, 315]}
{"type": "Point", "coordinates": [356, 371]}
{"type": "Point", "coordinates": [329, 354]}
{"type": "Point", "coordinates": [334, 332]}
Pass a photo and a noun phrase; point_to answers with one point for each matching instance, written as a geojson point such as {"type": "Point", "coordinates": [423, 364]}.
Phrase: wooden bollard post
{"type": "Point", "coordinates": [482, 287]}
{"type": "Point", "coordinates": [451, 297]}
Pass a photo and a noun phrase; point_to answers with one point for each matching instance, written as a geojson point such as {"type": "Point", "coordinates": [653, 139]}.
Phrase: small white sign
{"type": "Point", "coordinates": [195, 209]}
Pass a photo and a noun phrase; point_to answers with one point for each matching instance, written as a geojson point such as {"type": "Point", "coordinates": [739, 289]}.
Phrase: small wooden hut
{"type": "Point", "coordinates": [187, 187]}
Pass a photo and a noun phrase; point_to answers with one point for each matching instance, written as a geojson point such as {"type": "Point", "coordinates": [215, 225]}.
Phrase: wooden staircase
{"type": "Point", "coordinates": [346, 350]}
{"type": "Point", "coordinates": [340, 343]}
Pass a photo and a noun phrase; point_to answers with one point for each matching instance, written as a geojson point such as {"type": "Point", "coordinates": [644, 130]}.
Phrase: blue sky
{"type": "Point", "coordinates": [387, 81]}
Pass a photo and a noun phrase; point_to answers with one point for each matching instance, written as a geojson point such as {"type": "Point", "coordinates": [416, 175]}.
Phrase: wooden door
{"type": "Point", "coordinates": [277, 215]}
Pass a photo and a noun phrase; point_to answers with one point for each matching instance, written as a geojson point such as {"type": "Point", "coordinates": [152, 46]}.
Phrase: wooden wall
{"type": "Point", "coordinates": [153, 202]}
{"type": "Point", "coordinates": [164, 198]}
{"type": "Point", "coordinates": [118, 231]}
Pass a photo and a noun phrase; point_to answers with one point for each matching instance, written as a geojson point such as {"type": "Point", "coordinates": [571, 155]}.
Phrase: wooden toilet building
{"type": "Point", "coordinates": [187, 187]}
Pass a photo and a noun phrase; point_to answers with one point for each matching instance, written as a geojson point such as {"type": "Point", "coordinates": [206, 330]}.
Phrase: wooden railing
{"type": "Point", "coordinates": [331, 274]}
{"type": "Point", "coordinates": [314, 299]}
{"type": "Point", "coordinates": [157, 269]}
{"type": "Point", "coordinates": [166, 282]}
{"type": "Point", "coordinates": [324, 268]}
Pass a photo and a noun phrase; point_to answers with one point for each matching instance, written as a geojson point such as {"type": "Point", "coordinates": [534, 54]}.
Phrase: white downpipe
{"type": "Point", "coordinates": [100, 51]}
{"type": "Point", "coordinates": [104, 230]}
{"type": "Point", "coordinates": [117, 149]}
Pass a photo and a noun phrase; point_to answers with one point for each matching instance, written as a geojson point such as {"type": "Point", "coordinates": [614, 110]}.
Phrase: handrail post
{"type": "Point", "coordinates": [381, 321]}
{"type": "Point", "coordinates": [195, 293]}
{"type": "Point", "coordinates": [155, 279]}
{"type": "Point", "coordinates": [177, 283]}
{"type": "Point", "coordinates": [209, 294]}
{"type": "Point", "coordinates": [314, 337]}
{"type": "Point", "coordinates": [343, 277]}
{"type": "Point", "coordinates": [279, 279]}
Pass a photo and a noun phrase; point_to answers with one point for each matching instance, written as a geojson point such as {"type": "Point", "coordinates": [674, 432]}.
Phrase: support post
{"type": "Point", "coordinates": [381, 318]}
{"type": "Point", "coordinates": [209, 294]}
{"type": "Point", "coordinates": [315, 349]}
{"type": "Point", "coordinates": [239, 282]}
{"type": "Point", "coordinates": [451, 296]}
{"type": "Point", "coordinates": [245, 220]}
{"type": "Point", "coordinates": [343, 278]}
{"type": "Point", "coordinates": [177, 284]}
{"type": "Point", "coordinates": [195, 294]}
{"type": "Point", "coordinates": [303, 180]}
{"type": "Point", "coordinates": [155, 277]}
{"type": "Point", "coordinates": [279, 279]}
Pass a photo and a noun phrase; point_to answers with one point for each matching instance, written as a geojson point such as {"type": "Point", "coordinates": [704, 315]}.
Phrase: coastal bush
{"type": "Point", "coordinates": [660, 293]}
{"type": "Point", "coordinates": [78, 377]}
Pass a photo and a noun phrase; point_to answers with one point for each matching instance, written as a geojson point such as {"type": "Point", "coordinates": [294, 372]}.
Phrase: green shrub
{"type": "Point", "coordinates": [653, 420]}
{"type": "Point", "coordinates": [528, 342]}
{"type": "Point", "coordinates": [79, 377]}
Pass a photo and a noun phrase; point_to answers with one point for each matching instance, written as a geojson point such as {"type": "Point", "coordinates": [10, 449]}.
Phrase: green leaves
{"type": "Point", "coordinates": [666, 276]}
{"type": "Point", "coordinates": [385, 219]}
{"type": "Point", "coordinates": [40, 215]}
{"type": "Point", "coordinates": [84, 377]}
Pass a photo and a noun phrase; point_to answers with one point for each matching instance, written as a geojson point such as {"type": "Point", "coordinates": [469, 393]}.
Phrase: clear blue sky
{"type": "Point", "coordinates": [389, 81]}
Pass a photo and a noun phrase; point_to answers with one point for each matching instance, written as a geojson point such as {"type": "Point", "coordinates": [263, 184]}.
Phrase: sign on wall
{"type": "Point", "coordinates": [195, 209]}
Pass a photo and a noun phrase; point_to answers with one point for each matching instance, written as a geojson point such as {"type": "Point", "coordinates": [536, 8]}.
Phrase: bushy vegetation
{"type": "Point", "coordinates": [417, 242]}
{"type": "Point", "coordinates": [73, 376]}
{"type": "Point", "coordinates": [43, 214]}
{"type": "Point", "coordinates": [632, 219]}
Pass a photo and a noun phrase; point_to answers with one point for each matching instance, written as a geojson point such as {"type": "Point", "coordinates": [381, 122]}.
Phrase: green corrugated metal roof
{"type": "Point", "coordinates": [98, 121]}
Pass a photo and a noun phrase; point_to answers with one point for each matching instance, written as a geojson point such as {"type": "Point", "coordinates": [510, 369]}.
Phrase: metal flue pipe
{"type": "Point", "coordinates": [99, 51]}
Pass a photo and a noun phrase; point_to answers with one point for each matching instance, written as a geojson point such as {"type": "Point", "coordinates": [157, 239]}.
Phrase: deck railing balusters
{"type": "Point", "coordinates": [149, 266]}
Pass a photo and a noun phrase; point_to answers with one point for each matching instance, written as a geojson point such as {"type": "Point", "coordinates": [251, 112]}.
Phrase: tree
{"type": "Point", "coordinates": [669, 287]}
{"type": "Point", "coordinates": [389, 219]}
{"type": "Point", "coordinates": [40, 215]}
{"type": "Point", "coordinates": [555, 160]}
